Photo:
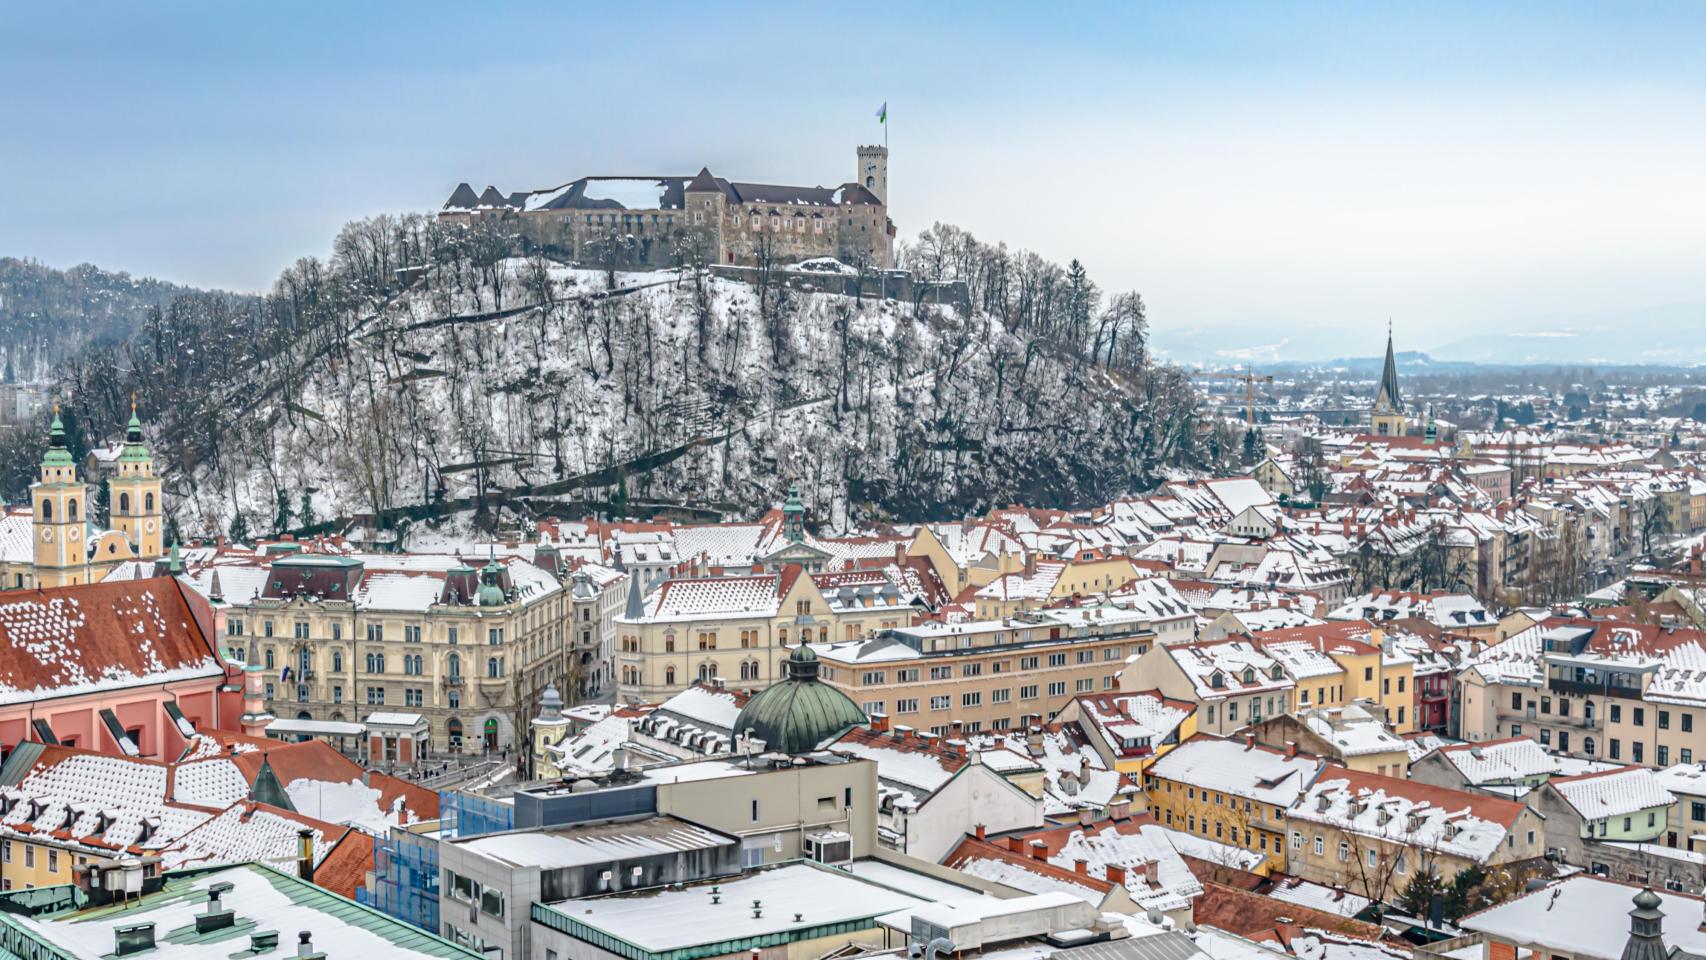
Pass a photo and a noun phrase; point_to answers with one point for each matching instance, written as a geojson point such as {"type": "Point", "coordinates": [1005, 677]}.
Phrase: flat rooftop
{"type": "Point", "coordinates": [585, 844]}
{"type": "Point", "coordinates": [662, 919]}
{"type": "Point", "coordinates": [260, 897]}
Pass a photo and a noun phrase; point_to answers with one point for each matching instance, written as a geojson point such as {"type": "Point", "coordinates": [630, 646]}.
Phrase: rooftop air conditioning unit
{"type": "Point", "coordinates": [829, 847]}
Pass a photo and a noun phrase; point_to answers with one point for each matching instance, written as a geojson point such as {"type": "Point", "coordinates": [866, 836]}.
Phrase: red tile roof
{"type": "Point", "coordinates": [63, 641]}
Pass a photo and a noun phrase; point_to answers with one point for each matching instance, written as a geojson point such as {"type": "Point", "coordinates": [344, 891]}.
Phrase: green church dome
{"type": "Point", "coordinates": [801, 712]}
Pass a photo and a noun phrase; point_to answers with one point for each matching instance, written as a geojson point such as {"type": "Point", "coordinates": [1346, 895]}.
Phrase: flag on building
{"type": "Point", "coordinates": [883, 112]}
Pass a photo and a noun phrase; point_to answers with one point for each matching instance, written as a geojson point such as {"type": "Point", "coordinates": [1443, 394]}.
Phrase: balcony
{"type": "Point", "coordinates": [453, 681]}
{"type": "Point", "coordinates": [1580, 689]}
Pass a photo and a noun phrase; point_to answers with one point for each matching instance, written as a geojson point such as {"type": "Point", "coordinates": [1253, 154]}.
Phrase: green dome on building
{"type": "Point", "coordinates": [801, 712]}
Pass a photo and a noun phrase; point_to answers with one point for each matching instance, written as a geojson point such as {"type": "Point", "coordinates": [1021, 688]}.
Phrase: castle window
{"type": "Point", "coordinates": [148, 502]}
{"type": "Point", "coordinates": [47, 509]}
{"type": "Point", "coordinates": [124, 503]}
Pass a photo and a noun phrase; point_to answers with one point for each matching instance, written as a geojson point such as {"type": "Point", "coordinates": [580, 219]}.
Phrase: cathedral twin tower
{"type": "Point", "coordinates": [69, 547]}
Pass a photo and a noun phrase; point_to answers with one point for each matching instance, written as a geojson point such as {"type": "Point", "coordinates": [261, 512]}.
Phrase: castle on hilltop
{"type": "Point", "coordinates": [650, 221]}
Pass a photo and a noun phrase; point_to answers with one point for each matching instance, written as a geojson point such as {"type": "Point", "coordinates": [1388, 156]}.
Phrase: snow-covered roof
{"type": "Point", "coordinates": [1230, 668]}
{"type": "Point", "coordinates": [1406, 812]}
{"type": "Point", "coordinates": [100, 637]}
{"type": "Point", "coordinates": [1570, 917]}
{"type": "Point", "coordinates": [1614, 793]}
{"type": "Point", "coordinates": [1508, 761]}
{"type": "Point", "coordinates": [1238, 768]}
{"type": "Point", "coordinates": [578, 845]}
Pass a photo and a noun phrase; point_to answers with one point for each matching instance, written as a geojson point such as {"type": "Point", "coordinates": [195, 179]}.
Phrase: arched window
{"type": "Point", "coordinates": [492, 667]}
{"type": "Point", "coordinates": [124, 503]}
{"type": "Point", "coordinates": [669, 676]}
{"type": "Point", "coordinates": [148, 502]}
{"type": "Point", "coordinates": [455, 665]}
{"type": "Point", "coordinates": [1587, 745]}
{"type": "Point", "coordinates": [706, 672]}
{"type": "Point", "coordinates": [47, 509]}
{"type": "Point", "coordinates": [71, 509]}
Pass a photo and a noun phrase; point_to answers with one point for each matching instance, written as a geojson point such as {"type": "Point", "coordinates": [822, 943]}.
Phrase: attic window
{"type": "Point", "coordinates": [1249, 675]}
{"type": "Point", "coordinates": [1216, 680]}
{"type": "Point", "coordinates": [1277, 674]}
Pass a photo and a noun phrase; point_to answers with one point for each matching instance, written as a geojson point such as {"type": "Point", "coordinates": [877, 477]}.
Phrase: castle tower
{"type": "Point", "coordinates": [874, 171]}
{"type": "Point", "coordinates": [135, 496]}
{"type": "Point", "coordinates": [1387, 417]}
{"type": "Point", "coordinates": [61, 505]}
{"type": "Point", "coordinates": [1646, 928]}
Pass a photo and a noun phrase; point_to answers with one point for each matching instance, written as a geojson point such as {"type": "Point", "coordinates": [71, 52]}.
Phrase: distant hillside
{"type": "Point", "coordinates": [48, 316]}
{"type": "Point", "coordinates": [476, 377]}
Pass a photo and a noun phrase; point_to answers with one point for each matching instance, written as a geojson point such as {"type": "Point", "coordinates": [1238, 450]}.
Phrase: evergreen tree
{"type": "Point", "coordinates": [239, 531]}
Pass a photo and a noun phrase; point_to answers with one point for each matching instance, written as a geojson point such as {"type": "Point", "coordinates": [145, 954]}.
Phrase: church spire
{"type": "Point", "coordinates": [57, 455]}
{"type": "Point", "coordinates": [1389, 377]}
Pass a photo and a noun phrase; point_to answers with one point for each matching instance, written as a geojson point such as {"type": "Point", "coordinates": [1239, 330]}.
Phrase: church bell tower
{"type": "Point", "coordinates": [60, 504]}
{"type": "Point", "coordinates": [1387, 417]}
{"type": "Point", "coordinates": [134, 494]}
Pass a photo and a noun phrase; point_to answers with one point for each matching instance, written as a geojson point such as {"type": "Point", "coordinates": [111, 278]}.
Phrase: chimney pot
{"type": "Point", "coordinates": [1039, 850]}
{"type": "Point", "coordinates": [1116, 874]}
{"type": "Point", "coordinates": [982, 831]}
{"type": "Point", "coordinates": [1081, 866]}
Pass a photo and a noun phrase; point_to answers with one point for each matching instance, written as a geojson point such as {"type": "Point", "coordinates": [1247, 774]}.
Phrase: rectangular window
{"type": "Point", "coordinates": [907, 676]}
{"type": "Point", "coordinates": [906, 706]}
{"type": "Point", "coordinates": [1664, 755]}
{"type": "Point", "coordinates": [1688, 723]}
{"type": "Point", "coordinates": [941, 702]}
{"type": "Point", "coordinates": [1664, 719]}
{"type": "Point", "coordinates": [1028, 663]}
{"type": "Point", "coordinates": [1057, 689]}
{"type": "Point", "coordinates": [1640, 717]}
{"type": "Point", "coordinates": [1086, 685]}
{"type": "Point", "coordinates": [1639, 748]}
{"type": "Point", "coordinates": [971, 670]}
{"type": "Point", "coordinates": [941, 673]}
{"type": "Point", "coordinates": [1001, 696]}
{"type": "Point", "coordinates": [1616, 748]}
{"type": "Point", "coordinates": [1057, 659]}
{"type": "Point", "coordinates": [873, 677]}
{"type": "Point", "coordinates": [973, 699]}
{"type": "Point", "coordinates": [1616, 713]}
{"type": "Point", "coordinates": [1028, 692]}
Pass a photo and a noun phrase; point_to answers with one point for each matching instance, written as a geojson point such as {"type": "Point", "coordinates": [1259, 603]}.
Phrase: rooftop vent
{"type": "Point", "coordinates": [133, 938]}
{"type": "Point", "coordinates": [305, 947]}
{"type": "Point", "coordinates": [215, 917]}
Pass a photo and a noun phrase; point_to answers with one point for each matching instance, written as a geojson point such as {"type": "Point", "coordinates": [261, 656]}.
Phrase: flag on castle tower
{"type": "Point", "coordinates": [883, 112]}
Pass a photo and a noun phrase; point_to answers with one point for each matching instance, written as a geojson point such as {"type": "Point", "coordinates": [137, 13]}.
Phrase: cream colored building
{"type": "Point", "coordinates": [989, 675]}
{"type": "Point", "coordinates": [340, 636]}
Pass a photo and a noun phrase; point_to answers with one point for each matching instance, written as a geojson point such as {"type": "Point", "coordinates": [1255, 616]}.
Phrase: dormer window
{"type": "Point", "coordinates": [1216, 680]}
{"type": "Point", "coordinates": [1249, 675]}
{"type": "Point", "coordinates": [1277, 673]}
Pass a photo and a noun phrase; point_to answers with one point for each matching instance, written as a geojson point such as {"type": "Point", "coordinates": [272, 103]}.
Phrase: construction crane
{"type": "Point", "coordinates": [1249, 379]}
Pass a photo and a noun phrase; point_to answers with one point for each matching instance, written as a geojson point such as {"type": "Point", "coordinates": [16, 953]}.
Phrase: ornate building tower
{"type": "Point", "coordinates": [1387, 417]}
{"type": "Point", "coordinates": [61, 506]}
{"type": "Point", "coordinates": [134, 494]}
{"type": "Point", "coordinates": [874, 171]}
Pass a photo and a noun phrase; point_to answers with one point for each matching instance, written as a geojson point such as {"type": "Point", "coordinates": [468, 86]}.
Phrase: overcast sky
{"type": "Point", "coordinates": [1282, 172]}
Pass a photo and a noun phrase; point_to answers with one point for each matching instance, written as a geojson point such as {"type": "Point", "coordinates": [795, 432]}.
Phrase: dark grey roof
{"type": "Point", "coordinates": [490, 197]}
{"type": "Point", "coordinates": [462, 198]}
{"type": "Point", "coordinates": [1171, 945]}
{"type": "Point", "coordinates": [576, 198]}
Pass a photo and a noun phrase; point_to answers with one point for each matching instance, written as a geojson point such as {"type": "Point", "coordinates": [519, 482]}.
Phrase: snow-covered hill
{"type": "Point", "coordinates": [427, 371]}
{"type": "Point", "coordinates": [677, 389]}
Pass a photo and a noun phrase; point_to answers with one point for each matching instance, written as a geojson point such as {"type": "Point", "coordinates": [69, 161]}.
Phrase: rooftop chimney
{"type": "Point", "coordinates": [1291, 748]}
{"type": "Point", "coordinates": [1116, 874]}
{"type": "Point", "coordinates": [305, 854]}
{"type": "Point", "coordinates": [982, 831]}
{"type": "Point", "coordinates": [1039, 850]}
{"type": "Point", "coordinates": [1081, 866]}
